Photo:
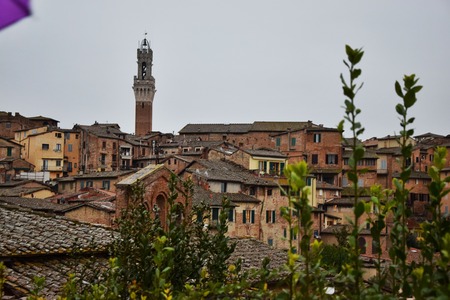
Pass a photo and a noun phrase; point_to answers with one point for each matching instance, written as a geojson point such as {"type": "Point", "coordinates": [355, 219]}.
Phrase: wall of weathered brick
{"type": "Point", "coordinates": [90, 215]}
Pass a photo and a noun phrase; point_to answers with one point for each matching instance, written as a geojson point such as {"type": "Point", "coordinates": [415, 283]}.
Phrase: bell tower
{"type": "Point", "coordinates": [144, 89]}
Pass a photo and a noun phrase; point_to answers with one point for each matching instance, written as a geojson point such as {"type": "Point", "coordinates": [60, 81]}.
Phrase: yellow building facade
{"type": "Point", "coordinates": [44, 148]}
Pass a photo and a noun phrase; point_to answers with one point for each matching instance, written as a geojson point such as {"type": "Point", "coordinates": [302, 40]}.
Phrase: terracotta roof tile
{"type": "Point", "coordinates": [28, 233]}
{"type": "Point", "coordinates": [252, 253]}
{"type": "Point", "coordinates": [215, 128]}
{"type": "Point", "coordinates": [218, 170]}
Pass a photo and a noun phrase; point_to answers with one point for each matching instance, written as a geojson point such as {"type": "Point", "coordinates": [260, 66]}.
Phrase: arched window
{"type": "Point", "coordinates": [144, 69]}
{"type": "Point", "coordinates": [362, 245]}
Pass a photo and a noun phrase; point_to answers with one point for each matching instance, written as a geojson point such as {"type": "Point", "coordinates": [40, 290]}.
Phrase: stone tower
{"type": "Point", "coordinates": [144, 89]}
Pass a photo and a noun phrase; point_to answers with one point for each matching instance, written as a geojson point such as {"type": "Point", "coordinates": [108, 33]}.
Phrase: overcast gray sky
{"type": "Point", "coordinates": [234, 61]}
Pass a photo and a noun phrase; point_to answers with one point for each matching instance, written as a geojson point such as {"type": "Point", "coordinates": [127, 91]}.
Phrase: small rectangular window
{"type": "Point", "coordinates": [248, 216]}
{"type": "Point", "coordinates": [315, 159]}
{"type": "Point", "coordinates": [270, 216]}
{"type": "Point", "coordinates": [9, 151]}
{"type": "Point", "coordinates": [270, 242]}
{"type": "Point", "coordinates": [69, 147]}
{"type": "Point", "coordinates": [104, 145]}
{"type": "Point", "coordinates": [293, 234]}
{"type": "Point", "coordinates": [106, 184]}
{"type": "Point", "coordinates": [269, 192]}
{"type": "Point", "coordinates": [223, 187]}
{"type": "Point", "coordinates": [58, 163]}
{"type": "Point", "coordinates": [8, 124]}
{"type": "Point", "coordinates": [231, 215]}
{"type": "Point", "coordinates": [252, 191]}
{"type": "Point", "coordinates": [331, 159]}
{"type": "Point", "coordinates": [317, 138]}
{"type": "Point", "coordinates": [45, 147]}
{"type": "Point", "coordinates": [58, 134]}
{"type": "Point", "coordinates": [293, 141]}
{"type": "Point", "coordinates": [215, 214]}
{"type": "Point", "coordinates": [278, 142]}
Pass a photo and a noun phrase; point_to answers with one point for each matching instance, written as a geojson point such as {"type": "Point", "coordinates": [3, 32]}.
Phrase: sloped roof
{"type": "Point", "coordinates": [252, 253]}
{"type": "Point", "coordinates": [102, 130]}
{"type": "Point", "coordinates": [278, 126]}
{"type": "Point", "coordinates": [141, 174]}
{"type": "Point", "coordinates": [107, 174]}
{"type": "Point", "coordinates": [41, 118]}
{"type": "Point", "coordinates": [215, 128]}
{"type": "Point", "coordinates": [35, 204]}
{"type": "Point", "coordinates": [266, 153]}
{"type": "Point", "coordinates": [39, 244]}
{"type": "Point", "coordinates": [5, 142]}
{"type": "Point", "coordinates": [215, 199]}
{"type": "Point", "coordinates": [393, 150]}
{"type": "Point", "coordinates": [414, 175]}
{"type": "Point", "coordinates": [326, 185]}
{"type": "Point", "coordinates": [28, 233]}
{"type": "Point", "coordinates": [20, 274]}
{"type": "Point", "coordinates": [331, 229]}
{"type": "Point", "coordinates": [368, 153]}
{"type": "Point", "coordinates": [17, 191]}
{"type": "Point", "coordinates": [219, 170]}
{"type": "Point", "coordinates": [257, 126]}
{"type": "Point", "coordinates": [345, 201]}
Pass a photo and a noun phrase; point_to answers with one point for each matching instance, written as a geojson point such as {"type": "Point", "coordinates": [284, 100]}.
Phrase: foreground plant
{"type": "Point", "coordinates": [353, 271]}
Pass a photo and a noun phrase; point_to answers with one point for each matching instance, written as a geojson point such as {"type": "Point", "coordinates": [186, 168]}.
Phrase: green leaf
{"type": "Point", "coordinates": [398, 89]}
{"type": "Point", "coordinates": [400, 110]}
{"type": "Point", "coordinates": [409, 99]}
{"type": "Point", "coordinates": [355, 74]}
{"type": "Point", "coordinates": [348, 92]}
{"type": "Point", "coordinates": [359, 209]}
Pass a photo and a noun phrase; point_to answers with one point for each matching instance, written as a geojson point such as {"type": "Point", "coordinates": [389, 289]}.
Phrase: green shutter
{"type": "Point", "coordinates": [267, 216]}
{"type": "Point", "coordinates": [215, 214]}
{"type": "Point", "coordinates": [253, 217]}
{"type": "Point", "coordinates": [231, 215]}
{"type": "Point", "coordinates": [244, 217]}
{"type": "Point", "coordinates": [200, 217]}
{"type": "Point", "coordinates": [273, 216]}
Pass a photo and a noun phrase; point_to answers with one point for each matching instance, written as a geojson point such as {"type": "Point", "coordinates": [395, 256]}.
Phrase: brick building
{"type": "Point", "coordinates": [155, 179]}
{"type": "Point", "coordinates": [256, 201]}
{"type": "Point", "coordinates": [10, 162]}
{"type": "Point", "coordinates": [98, 180]}
{"type": "Point", "coordinates": [10, 123]}
{"type": "Point", "coordinates": [104, 147]}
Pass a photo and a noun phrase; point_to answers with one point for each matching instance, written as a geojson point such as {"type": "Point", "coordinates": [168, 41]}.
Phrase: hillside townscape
{"type": "Point", "coordinates": [63, 190]}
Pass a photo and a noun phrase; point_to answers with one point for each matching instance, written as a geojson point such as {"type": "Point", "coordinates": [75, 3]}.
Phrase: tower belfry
{"type": "Point", "coordinates": [144, 89]}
